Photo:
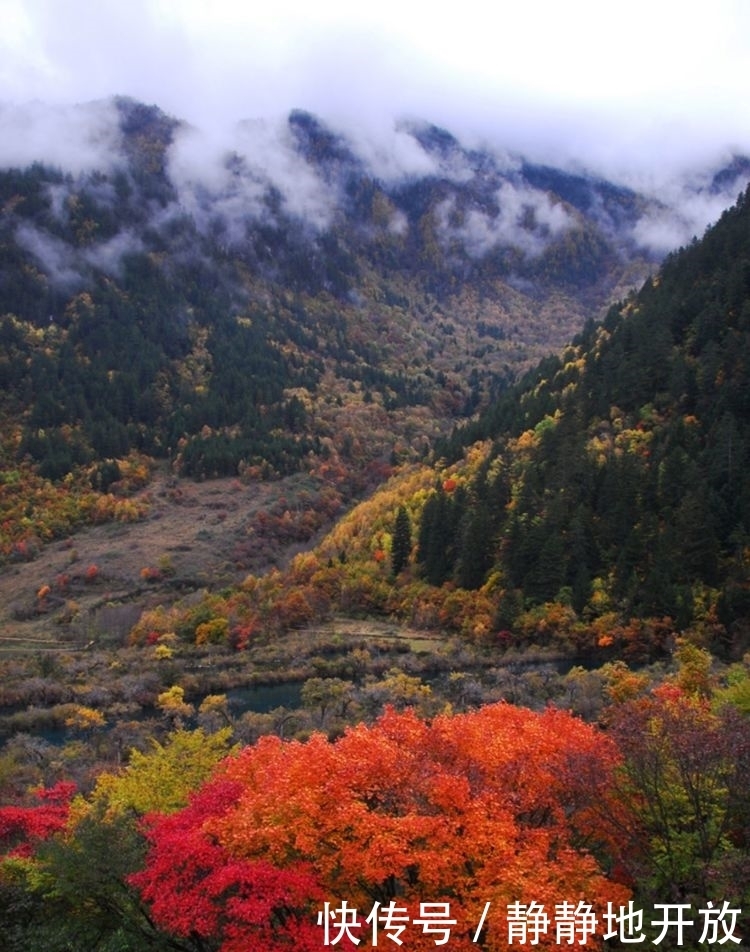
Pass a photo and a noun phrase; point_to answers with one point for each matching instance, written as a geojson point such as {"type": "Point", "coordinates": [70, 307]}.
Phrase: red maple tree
{"type": "Point", "coordinates": [23, 826]}
{"type": "Point", "coordinates": [500, 806]}
{"type": "Point", "coordinates": [197, 888]}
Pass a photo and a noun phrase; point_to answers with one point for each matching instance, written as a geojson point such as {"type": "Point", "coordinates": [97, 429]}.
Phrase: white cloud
{"type": "Point", "coordinates": [108, 255]}
{"type": "Point", "coordinates": [77, 138]}
{"type": "Point", "coordinates": [227, 177]}
{"type": "Point", "coordinates": [614, 83]}
{"type": "Point", "coordinates": [55, 256]}
{"type": "Point", "coordinates": [391, 153]}
{"type": "Point", "coordinates": [268, 149]}
{"type": "Point", "coordinates": [527, 219]}
{"type": "Point", "coordinates": [686, 206]}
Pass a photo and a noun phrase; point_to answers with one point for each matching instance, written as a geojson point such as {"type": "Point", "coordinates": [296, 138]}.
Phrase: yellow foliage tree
{"type": "Point", "coordinates": [161, 779]}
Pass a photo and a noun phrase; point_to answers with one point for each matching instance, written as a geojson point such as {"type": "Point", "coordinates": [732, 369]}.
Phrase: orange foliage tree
{"type": "Point", "coordinates": [498, 806]}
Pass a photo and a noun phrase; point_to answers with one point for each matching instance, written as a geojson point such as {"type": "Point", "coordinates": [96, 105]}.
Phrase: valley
{"type": "Point", "coordinates": [446, 452]}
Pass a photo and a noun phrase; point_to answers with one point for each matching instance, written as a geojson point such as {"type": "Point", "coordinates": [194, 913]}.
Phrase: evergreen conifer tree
{"type": "Point", "coordinates": [401, 545]}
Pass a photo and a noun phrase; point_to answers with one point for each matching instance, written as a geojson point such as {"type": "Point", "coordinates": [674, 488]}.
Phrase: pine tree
{"type": "Point", "coordinates": [434, 539]}
{"type": "Point", "coordinates": [401, 545]}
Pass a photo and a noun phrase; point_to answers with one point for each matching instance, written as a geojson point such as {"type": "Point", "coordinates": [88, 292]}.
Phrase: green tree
{"type": "Point", "coordinates": [475, 547]}
{"type": "Point", "coordinates": [324, 694]}
{"type": "Point", "coordinates": [401, 544]}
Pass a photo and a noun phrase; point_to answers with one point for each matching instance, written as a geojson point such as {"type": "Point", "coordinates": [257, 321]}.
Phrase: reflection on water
{"type": "Point", "coordinates": [260, 698]}
{"type": "Point", "coordinates": [263, 698]}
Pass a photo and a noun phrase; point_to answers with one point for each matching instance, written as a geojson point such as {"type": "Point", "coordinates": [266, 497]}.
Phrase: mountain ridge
{"type": "Point", "coordinates": [233, 316]}
{"type": "Point", "coordinates": [187, 235]}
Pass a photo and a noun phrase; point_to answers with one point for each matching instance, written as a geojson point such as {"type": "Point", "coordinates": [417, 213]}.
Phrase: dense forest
{"type": "Point", "coordinates": [508, 644]}
{"type": "Point", "coordinates": [632, 481]}
{"type": "Point", "coordinates": [197, 322]}
{"type": "Point", "coordinates": [599, 507]}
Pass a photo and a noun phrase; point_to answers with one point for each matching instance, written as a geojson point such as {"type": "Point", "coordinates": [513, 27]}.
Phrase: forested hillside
{"type": "Point", "coordinates": [600, 506]}
{"type": "Point", "coordinates": [206, 306]}
{"type": "Point", "coordinates": [503, 699]}
{"type": "Point", "coordinates": [618, 475]}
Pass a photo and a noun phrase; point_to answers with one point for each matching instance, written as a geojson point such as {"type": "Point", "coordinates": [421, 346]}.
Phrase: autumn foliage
{"type": "Point", "coordinates": [498, 805]}
{"type": "Point", "coordinates": [196, 887]}
{"type": "Point", "coordinates": [687, 770]}
{"type": "Point", "coordinates": [24, 826]}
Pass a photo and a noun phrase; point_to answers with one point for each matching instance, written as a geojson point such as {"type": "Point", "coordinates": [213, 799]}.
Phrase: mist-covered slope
{"type": "Point", "coordinates": [600, 507]}
{"type": "Point", "coordinates": [617, 482]}
{"type": "Point", "coordinates": [218, 301]}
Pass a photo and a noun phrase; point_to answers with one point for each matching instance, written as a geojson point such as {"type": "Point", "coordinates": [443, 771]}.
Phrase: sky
{"type": "Point", "coordinates": [636, 86]}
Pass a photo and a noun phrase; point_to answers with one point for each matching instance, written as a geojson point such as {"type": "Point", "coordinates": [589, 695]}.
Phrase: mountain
{"type": "Point", "coordinates": [531, 533]}
{"type": "Point", "coordinates": [602, 504]}
{"type": "Point", "coordinates": [203, 302]}
{"type": "Point", "coordinates": [599, 507]}
{"type": "Point", "coordinates": [297, 302]}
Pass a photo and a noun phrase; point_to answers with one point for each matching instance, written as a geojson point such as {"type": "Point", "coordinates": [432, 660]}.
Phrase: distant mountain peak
{"type": "Point", "coordinates": [147, 133]}
{"type": "Point", "coordinates": [734, 174]}
{"type": "Point", "coordinates": [136, 116]}
{"type": "Point", "coordinates": [317, 143]}
{"type": "Point", "coordinates": [433, 139]}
